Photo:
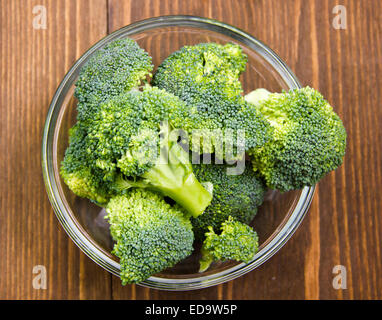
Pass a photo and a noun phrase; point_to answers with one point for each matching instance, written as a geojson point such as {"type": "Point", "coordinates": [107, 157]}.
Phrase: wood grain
{"type": "Point", "coordinates": [33, 62]}
{"type": "Point", "coordinates": [343, 226]}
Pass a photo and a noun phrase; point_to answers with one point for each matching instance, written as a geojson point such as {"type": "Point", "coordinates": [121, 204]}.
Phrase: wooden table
{"type": "Point", "coordinates": [344, 224]}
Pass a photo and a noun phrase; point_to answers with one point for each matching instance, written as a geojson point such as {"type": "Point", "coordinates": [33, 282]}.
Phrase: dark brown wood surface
{"type": "Point", "coordinates": [344, 223]}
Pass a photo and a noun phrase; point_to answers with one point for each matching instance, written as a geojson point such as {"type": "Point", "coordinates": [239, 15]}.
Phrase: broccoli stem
{"type": "Point", "coordinates": [206, 260]}
{"type": "Point", "coordinates": [173, 177]}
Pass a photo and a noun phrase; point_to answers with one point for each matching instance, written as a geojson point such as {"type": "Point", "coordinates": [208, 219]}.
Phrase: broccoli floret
{"type": "Point", "coordinates": [236, 241]}
{"type": "Point", "coordinates": [238, 196]}
{"type": "Point", "coordinates": [76, 172]}
{"type": "Point", "coordinates": [206, 76]}
{"type": "Point", "coordinates": [116, 68]}
{"type": "Point", "coordinates": [131, 141]}
{"type": "Point", "coordinates": [308, 140]}
{"type": "Point", "coordinates": [150, 234]}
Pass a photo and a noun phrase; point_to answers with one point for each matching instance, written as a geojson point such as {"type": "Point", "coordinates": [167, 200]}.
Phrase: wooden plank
{"type": "Point", "coordinates": [33, 62]}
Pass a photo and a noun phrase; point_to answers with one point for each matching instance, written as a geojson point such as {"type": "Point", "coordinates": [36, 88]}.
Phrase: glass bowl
{"type": "Point", "coordinates": [277, 218]}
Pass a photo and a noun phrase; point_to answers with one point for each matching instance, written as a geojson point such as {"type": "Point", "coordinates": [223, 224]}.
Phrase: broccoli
{"type": "Point", "coordinates": [308, 140]}
{"type": "Point", "coordinates": [84, 180]}
{"type": "Point", "coordinates": [150, 234]}
{"type": "Point", "coordinates": [129, 151]}
{"type": "Point", "coordinates": [130, 143]}
{"type": "Point", "coordinates": [117, 68]}
{"type": "Point", "coordinates": [206, 76]}
{"type": "Point", "coordinates": [236, 241]}
{"type": "Point", "coordinates": [238, 196]}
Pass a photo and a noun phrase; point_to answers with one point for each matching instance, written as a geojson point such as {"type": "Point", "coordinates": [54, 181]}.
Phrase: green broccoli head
{"type": "Point", "coordinates": [116, 68]}
{"type": "Point", "coordinates": [236, 241]}
{"type": "Point", "coordinates": [206, 76]}
{"type": "Point", "coordinates": [150, 234]}
{"type": "Point", "coordinates": [130, 143]}
{"type": "Point", "coordinates": [125, 133]}
{"type": "Point", "coordinates": [201, 64]}
{"type": "Point", "coordinates": [83, 179]}
{"type": "Point", "coordinates": [308, 140]}
{"type": "Point", "coordinates": [238, 196]}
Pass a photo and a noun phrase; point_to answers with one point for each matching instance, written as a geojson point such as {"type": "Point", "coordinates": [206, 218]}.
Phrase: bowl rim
{"type": "Point", "coordinates": [289, 225]}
